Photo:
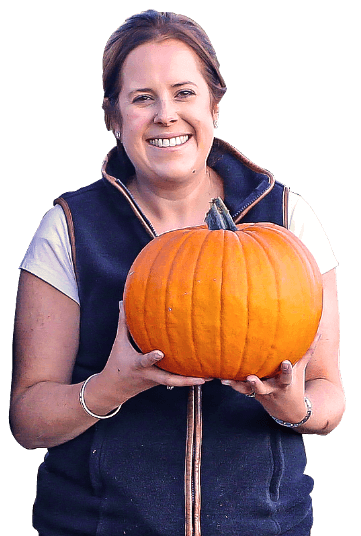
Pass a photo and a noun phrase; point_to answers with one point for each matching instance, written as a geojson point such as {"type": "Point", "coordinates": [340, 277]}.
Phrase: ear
{"type": "Point", "coordinates": [215, 115]}
{"type": "Point", "coordinates": [112, 121]}
{"type": "Point", "coordinates": [216, 110]}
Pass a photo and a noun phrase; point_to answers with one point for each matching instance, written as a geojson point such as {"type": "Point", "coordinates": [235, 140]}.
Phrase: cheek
{"type": "Point", "coordinates": [133, 129]}
{"type": "Point", "coordinates": [205, 130]}
{"type": "Point", "coordinates": [204, 117]}
{"type": "Point", "coordinates": [133, 125]}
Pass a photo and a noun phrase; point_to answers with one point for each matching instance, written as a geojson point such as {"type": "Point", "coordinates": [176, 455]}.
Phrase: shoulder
{"type": "Point", "coordinates": [52, 227]}
{"type": "Point", "coordinates": [296, 200]}
{"type": "Point", "coordinates": [300, 213]}
{"type": "Point", "coordinates": [49, 255]}
{"type": "Point", "coordinates": [54, 219]}
{"type": "Point", "coordinates": [85, 191]}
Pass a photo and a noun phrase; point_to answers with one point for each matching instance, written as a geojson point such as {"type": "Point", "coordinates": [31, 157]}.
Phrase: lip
{"type": "Point", "coordinates": [181, 139]}
{"type": "Point", "coordinates": [169, 136]}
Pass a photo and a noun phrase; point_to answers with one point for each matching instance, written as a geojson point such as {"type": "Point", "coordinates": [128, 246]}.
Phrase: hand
{"type": "Point", "coordinates": [283, 395]}
{"type": "Point", "coordinates": [129, 372]}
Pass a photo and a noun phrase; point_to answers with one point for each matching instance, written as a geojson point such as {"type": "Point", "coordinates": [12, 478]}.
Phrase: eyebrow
{"type": "Point", "coordinates": [149, 90]}
{"type": "Point", "coordinates": [185, 84]}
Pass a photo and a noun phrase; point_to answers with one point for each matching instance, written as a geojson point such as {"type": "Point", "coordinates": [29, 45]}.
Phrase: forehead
{"type": "Point", "coordinates": [170, 60]}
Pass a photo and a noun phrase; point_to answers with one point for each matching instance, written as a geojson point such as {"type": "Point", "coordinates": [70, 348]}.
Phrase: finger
{"type": "Point", "coordinates": [122, 325]}
{"type": "Point", "coordinates": [286, 375]}
{"type": "Point", "coordinates": [164, 377]}
{"type": "Point", "coordinates": [258, 387]}
{"type": "Point", "coordinates": [144, 361]}
{"type": "Point", "coordinates": [242, 387]}
{"type": "Point", "coordinates": [173, 380]}
{"type": "Point", "coordinates": [122, 339]}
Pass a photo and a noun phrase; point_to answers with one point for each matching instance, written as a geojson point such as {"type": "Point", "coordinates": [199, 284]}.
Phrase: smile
{"type": "Point", "coordinates": [169, 142]}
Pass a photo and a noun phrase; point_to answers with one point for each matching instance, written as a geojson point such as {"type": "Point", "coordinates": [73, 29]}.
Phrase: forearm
{"type": "Point", "coordinates": [49, 413]}
{"type": "Point", "coordinates": [328, 405]}
{"type": "Point", "coordinates": [288, 404]}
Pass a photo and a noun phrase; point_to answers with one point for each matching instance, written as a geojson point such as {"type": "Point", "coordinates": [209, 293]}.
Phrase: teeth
{"type": "Point", "coordinates": [169, 142]}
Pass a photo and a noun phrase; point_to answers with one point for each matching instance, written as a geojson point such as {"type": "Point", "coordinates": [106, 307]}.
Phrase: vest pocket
{"type": "Point", "coordinates": [278, 465]}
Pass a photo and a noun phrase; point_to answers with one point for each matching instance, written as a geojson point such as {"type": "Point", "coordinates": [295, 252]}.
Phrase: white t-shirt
{"type": "Point", "coordinates": [49, 254]}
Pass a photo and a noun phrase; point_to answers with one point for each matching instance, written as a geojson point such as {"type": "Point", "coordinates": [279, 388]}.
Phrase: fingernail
{"type": "Point", "coordinates": [158, 355]}
{"type": "Point", "coordinates": [286, 367]}
{"type": "Point", "coordinates": [226, 382]}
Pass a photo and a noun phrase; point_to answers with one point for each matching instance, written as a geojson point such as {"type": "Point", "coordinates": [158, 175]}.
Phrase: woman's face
{"type": "Point", "coordinates": [165, 106]}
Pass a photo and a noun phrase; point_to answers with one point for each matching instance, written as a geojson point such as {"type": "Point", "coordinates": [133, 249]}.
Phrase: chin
{"type": "Point", "coordinates": [175, 175]}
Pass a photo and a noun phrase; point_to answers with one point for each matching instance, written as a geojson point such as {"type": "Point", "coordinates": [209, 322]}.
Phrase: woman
{"type": "Point", "coordinates": [116, 436]}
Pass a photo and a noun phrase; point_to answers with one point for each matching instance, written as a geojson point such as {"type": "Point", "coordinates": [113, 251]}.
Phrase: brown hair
{"type": "Point", "coordinates": [153, 26]}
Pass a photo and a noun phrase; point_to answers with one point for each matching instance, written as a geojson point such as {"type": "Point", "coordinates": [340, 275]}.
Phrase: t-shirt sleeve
{"type": "Point", "coordinates": [303, 222]}
{"type": "Point", "coordinates": [49, 254]}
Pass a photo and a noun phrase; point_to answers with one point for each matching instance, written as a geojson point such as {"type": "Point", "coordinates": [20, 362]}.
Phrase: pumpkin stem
{"type": "Point", "coordinates": [218, 217]}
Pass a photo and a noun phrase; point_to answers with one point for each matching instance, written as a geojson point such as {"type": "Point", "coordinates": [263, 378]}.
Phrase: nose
{"type": "Point", "coordinates": [166, 112]}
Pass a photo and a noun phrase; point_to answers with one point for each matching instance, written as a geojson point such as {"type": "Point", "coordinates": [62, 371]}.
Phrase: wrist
{"type": "Point", "coordinates": [286, 405]}
{"type": "Point", "coordinates": [96, 397]}
{"type": "Point", "coordinates": [296, 423]}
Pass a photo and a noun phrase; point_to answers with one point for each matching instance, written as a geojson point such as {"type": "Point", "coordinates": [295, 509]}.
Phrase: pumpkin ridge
{"type": "Point", "coordinates": [238, 236]}
{"type": "Point", "coordinates": [246, 342]}
{"type": "Point", "coordinates": [145, 301]}
{"type": "Point", "coordinates": [173, 266]}
{"type": "Point", "coordinates": [138, 332]}
{"type": "Point", "coordinates": [311, 271]}
{"type": "Point", "coordinates": [305, 258]}
{"type": "Point", "coordinates": [246, 352]}
{"type": "Point", "coordinates": [242, 353]}
{"type": "Point", "coordinates": [207, 237]}
{"type": "Point", "coordinates": [222, 334]}
{"type": "Point", "coordinates": [310, 298]}
{"type": "Point", "coordinates": [256, 236]}
{"type": "Point", "coordinates": [164, 240]}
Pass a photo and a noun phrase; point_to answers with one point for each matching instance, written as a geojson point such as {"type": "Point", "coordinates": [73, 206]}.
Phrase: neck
{"type": "Point", "coordinates": [174, 206]}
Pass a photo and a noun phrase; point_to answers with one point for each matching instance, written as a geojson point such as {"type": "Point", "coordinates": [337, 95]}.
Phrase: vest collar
{"type": "Point", "coordinates": [245, 183]}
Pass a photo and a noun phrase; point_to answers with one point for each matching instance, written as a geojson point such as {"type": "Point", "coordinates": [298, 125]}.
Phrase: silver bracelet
{"type": "Point", "coordinates": [297, 424]}
{"type": "Point", "coordinates": [85, 407]}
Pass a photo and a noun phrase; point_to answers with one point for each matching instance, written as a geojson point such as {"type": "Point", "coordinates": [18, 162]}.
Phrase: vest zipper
{"type": "Point", "coordinates": [192, 483]}
{"type": "Point", "coordinates": [241, 213]}
{"type": "Point", "coordinates": [136, 209]}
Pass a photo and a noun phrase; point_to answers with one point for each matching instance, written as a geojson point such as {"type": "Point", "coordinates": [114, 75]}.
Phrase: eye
{"type": "Point", "coordinates": [185, 93]}
{"type": "Point", "coordinates": [140, 99]}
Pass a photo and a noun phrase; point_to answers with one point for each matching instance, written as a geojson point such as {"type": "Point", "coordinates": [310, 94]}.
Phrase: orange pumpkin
{"type": "Point", "coordinates": [224, 303]}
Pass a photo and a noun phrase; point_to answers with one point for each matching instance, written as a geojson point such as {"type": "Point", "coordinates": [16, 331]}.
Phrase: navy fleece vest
{"type": "Point", "coordinates": [125, 475]}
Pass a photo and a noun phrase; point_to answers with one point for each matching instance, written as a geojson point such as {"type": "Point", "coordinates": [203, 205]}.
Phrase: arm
{"type": "Point", "coordinates": [316, 375]}
{"type": "Point", "coordinates": [323, 383]}
{"type": "Point", "coordinates": [44, 408]}
{"type": "Point", "coordinates": [45, 346]}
